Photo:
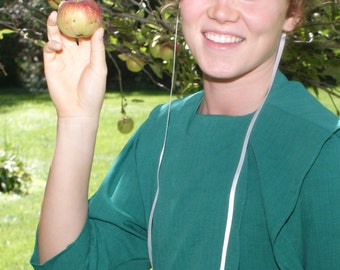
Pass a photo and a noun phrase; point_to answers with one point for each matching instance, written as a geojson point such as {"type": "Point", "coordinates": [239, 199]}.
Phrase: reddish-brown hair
{"type": "Point", "coordinates": [296, 8]}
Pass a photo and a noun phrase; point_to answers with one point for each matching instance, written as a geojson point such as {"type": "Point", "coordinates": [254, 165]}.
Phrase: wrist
{"type": "Point", "coordinates": [78, 122]}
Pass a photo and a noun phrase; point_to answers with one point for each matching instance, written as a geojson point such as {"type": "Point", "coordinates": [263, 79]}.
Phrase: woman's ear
{"type": "Point", "coordinates": [291, 23]}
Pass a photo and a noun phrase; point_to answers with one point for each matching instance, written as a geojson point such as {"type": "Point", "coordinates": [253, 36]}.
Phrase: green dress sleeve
{"type": "Point", "coordinates": [115, 234]}
{"type": "Point", "coordinates": [320, 204]}
{"type": "Point", "coordinates": [310, 237]}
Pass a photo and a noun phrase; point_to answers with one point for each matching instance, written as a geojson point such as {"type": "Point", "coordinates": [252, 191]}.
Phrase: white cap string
{"type": "Point", "coordinates": [232, 193]}
{"type": "Point", "coordinates": [164, 143]}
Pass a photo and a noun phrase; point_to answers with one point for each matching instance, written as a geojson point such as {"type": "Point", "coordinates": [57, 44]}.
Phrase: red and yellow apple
{"type": "Point", "coordinates": [79, 18]}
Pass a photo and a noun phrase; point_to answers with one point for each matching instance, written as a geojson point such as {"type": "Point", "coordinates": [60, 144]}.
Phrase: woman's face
{"type": "Point", "coordinates": [231, 38]}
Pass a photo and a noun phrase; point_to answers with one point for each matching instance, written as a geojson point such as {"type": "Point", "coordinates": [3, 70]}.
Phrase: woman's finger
{"type": "Point", "coordinates": [98, 51]}
{"type": "Point", "coordinates": [53, 32]}
{"type": "Point", "coordinates": [52, 46]}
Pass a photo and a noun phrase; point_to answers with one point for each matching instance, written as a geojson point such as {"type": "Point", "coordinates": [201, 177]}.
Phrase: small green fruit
{"type": "Point", "coordinates": [125, 124]}
{"type": "Point", "coordinates": [167, 50]}
{"type": "Point", "coordinates": [134, 63]}
{"type": "Point", "coordinates": [155, 49]}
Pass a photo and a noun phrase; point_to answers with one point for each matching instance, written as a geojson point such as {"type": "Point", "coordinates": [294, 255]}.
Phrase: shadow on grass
{"type": "Point", "coordinates": [14, 96]}
{"type": "Point", "coordinates": [11, 97]}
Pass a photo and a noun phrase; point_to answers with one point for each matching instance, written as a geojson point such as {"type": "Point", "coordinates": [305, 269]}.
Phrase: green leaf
{"type": "Point", "coordinates": [5, 31]}
{"type": "Point", "coordinates": [157, 70]}
{"type": "Point", "coordinates": [113, 40]}
{"type": "Point", "coordinates": [123, 56]}
{"type": "Point", "coordinates": [40, 43]}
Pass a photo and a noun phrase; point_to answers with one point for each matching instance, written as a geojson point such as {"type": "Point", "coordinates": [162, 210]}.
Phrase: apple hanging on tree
{"type": "Point", "coordinates": [79, 18]}
{"type": "Point", "coordinates": [134, 63]}
{"type": "Point", "coordinates": [155, 47]}
{"type": "Point", "coordinates": [166, 51]}
{"type": "Point", "coordinates": [125, 124]}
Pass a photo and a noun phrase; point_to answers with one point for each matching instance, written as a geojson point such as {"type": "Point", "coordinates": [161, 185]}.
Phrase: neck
{"type": "Point", "coordinates": [240, 96]}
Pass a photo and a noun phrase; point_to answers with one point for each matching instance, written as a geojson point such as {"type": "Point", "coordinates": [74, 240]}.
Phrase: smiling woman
{"type": "Point", "coordinates": [236, 176]}
{"type": "Point", "coordinates": [237, 44]}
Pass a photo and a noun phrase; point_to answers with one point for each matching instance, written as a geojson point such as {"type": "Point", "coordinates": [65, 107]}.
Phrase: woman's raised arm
{"type": "Point", "coordinates": [76, 79]}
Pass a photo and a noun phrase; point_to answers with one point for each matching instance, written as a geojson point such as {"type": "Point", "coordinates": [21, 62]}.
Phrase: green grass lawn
{"type": "Point", "coordinates": [29, 122]}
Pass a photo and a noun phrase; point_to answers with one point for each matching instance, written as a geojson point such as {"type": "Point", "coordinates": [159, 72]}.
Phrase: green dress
{"type": "Point", "coordinates": [287, 204]}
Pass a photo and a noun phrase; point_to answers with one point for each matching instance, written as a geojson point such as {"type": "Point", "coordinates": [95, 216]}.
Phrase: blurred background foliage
{"type": "Point", "coordinates": [137, 29]}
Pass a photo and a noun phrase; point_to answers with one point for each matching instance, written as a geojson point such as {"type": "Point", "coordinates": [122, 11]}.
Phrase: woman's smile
{"type": "Point", "coordinates": [222, 38]}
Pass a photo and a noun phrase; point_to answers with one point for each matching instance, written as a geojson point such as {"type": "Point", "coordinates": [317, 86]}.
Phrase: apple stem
{"type": "Point", "coordinates": [77, 41]}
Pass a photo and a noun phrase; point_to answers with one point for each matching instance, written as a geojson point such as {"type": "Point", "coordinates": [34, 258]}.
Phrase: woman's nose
{"type": "Point", "coordinates": [224, 10]}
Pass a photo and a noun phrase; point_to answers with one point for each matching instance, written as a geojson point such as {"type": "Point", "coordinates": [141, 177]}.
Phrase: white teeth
{"type": "Point", "coordinates": [222, 38]}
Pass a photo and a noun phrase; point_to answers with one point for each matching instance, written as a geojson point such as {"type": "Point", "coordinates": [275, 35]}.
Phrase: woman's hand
{"type": "Point", "coordinates": [75, 74]}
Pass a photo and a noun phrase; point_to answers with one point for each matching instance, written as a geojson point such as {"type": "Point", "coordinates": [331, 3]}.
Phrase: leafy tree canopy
{"type": "Point", "coordinates": [137, 29]}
